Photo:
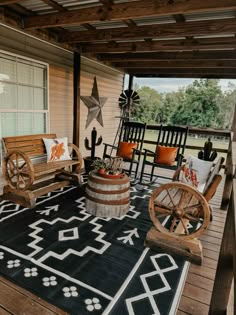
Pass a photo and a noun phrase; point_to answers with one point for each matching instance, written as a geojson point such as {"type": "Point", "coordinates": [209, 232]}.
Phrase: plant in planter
{"type": "Point", "coordinates": [88, 160]}
{"type": "Point", "coordinates": [100, 165]}
{"type": "Point", "coordinates": [109, 167]}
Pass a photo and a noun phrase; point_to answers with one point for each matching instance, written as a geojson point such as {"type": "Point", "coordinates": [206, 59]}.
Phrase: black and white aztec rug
{"type": "Point", "coordinates": [85, 264]}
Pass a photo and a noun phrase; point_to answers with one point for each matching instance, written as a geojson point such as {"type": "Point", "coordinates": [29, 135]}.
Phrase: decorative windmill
{"type": "Point", "coordinates": [127, 100]}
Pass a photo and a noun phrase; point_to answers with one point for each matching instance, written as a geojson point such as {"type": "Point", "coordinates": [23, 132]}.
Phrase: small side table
{"type": "Point", "coordinates": [106, 197]}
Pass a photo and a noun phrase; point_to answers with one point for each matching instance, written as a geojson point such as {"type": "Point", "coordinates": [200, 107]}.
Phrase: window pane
{"type": "Point", "coordinates": [39, 123]}
{"type": "Point", "coordinates": [24, 73]}
{"type": "Point", "coordinates": [25, 124]}
{"type": "Point", "coordinates": [8, 124]}
{"type": "Point", "coordinates": [39, 77]}
{"type": "Point", "coordinates": [39, 99]}
{"type": "Point", "coordinates": [7, 68]}
{"type": "Point", "coordinates": [25, 97]}
{"type": "Point", "coordinates": [8, 96]}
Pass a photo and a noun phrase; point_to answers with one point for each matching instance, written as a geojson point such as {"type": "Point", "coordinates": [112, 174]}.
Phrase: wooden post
{"type": "Point", "coordinates": [233, 127]}
{"type": "Point", "coordinates": [228, 179]}
{"type": "Point", "coordinates": [76, 112]}
{"type": "Point", "coordinates": [229, 168]}
{"type": "Point", "coordinates": [226, 264]}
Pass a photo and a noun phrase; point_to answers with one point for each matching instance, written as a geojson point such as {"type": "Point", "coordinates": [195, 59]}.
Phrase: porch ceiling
{"type": "Point", "coordinates": [159, 38]}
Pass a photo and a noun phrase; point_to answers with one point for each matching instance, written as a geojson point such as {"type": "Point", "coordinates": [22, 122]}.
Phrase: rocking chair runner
{"type": "Point", "coordinates": [169, 138]}
{"type": "Point", "coordinates": [129, 146]}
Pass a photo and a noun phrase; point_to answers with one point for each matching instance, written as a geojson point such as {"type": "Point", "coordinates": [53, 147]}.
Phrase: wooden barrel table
{"type": "Point", "coordinates": [107, 197]}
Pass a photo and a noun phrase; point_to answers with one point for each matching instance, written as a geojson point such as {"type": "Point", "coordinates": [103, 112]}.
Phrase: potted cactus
{"type": "Point", "coordinates": [88, 160]}
{"type": "Point", "coordinates": [207, 153]}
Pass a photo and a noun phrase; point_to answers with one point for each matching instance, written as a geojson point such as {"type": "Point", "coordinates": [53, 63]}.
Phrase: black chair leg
{"type": "Point", "coordinates": [152, 171]}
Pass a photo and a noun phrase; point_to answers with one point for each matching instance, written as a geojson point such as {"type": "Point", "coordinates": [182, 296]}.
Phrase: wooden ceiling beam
{"type": "Point", "coordinates": [7, 2]}
{"type": "Point", "coordinates": [178, 64]}
{"type": "Point", "coordinates": [161, 45]}
{"type": "Point", "coordinates": [123, 11]}
{"type": "Point", "coordinates": [170, 30]}
{"type": "Point", "coordinates": [161, 56]}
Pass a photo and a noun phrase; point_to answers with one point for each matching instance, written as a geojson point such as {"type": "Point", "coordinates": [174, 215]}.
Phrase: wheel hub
{"type": "Point", "coordinates": [178, 212]}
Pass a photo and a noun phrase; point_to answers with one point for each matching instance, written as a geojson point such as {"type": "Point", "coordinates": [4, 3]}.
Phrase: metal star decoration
{"type": "Point", "coordinates": [94, 104]}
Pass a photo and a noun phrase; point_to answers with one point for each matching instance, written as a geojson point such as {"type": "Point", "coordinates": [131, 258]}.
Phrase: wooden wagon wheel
{"type": "Point", "coordinates": [179, 204]}
{"type": "Point", "coordinates": [18, 171]}
{"type": "Point", "coordinates": [75, 155]}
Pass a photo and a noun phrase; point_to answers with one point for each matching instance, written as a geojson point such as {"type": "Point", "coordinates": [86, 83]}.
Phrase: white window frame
{"type": "Point", "coordinates": [45, 111]}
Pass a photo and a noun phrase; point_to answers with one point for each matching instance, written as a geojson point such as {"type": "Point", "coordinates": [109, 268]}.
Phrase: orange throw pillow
{"type": "Point", "coordinates": [125, 149]}
{"type": "Point", "coordinates": [166, 155]}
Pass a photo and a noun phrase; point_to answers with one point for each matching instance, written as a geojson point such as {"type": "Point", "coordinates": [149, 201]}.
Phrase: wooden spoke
{"type": "Point", "coordinates": [186, 205]}
{"type": "Point", "coordinates": [162, 209]}
{"type": "Point", "coordinates": [192, 208]}
{"type": "Point", "coordinates": [23, 165]}
{"type": "Point", "coordinates": [162, 215]}
{"type": "Point", "coordinates": [182, 199]}
{"type": "Point", "coordinates": [173, 224]}
{"type": "Point", "coordinates": [170, 197]}
{"type": "Point", "coordinates": [192, 218]}
{"type": "Point", "coordinates": [184, 226]}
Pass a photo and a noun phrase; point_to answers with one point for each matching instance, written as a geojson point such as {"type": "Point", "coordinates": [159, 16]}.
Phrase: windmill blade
{"type": "Point", "coordinates": [128, 97]}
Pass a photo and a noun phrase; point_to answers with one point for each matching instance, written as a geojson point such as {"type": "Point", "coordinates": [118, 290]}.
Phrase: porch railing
{"type": "Point", "coordinates": [199, 132]}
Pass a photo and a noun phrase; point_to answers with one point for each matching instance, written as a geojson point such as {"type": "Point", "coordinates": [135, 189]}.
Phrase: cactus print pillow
{"type": "Point", "coordinates": [57, 149]}
{"type": "Point", "coordinates": [196, 172]}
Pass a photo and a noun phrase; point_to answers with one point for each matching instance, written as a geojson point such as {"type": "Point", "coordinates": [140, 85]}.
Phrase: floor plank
{"type": "Point", "coordinates": [18, 303]}
{"type": "Point", "coordinates": [193, 307]}
{"type": "Point", "coordinates": [32, 296]}
{"type": "Point", "coordinates": [199, 281]}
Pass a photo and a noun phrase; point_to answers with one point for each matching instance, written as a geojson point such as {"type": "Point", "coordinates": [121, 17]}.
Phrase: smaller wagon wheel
{"type": "Point", "coordinates": [75, 155]}
{"type": "Point", "coordinates": [179, 204]}
{"type": "Point", "coordinates": [18, 171]}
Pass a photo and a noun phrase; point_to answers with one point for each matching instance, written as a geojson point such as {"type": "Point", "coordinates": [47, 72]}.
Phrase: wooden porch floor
{"type": "Point", "coordinates": [196, 295]}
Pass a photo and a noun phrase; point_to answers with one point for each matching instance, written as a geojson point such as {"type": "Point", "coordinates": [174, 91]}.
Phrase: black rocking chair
{"type": "Point", "coordinates": [168, 136]}
{"type": "Point", "coordinates": [131, 138]}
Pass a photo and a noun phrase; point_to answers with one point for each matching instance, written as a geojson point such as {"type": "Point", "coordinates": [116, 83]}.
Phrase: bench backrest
{"type": "Point", "coordinates": [31, 145]}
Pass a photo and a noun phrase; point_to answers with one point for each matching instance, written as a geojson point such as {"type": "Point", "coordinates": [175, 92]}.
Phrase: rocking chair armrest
{"type": "Point", "coordinates": [149, 152]}
{"type": "Point", "coordinates": [106, 145]}
{"type": "Point", "coordinates": [110, 145]}
{"type": "Point", "coordinates": [136, 151]}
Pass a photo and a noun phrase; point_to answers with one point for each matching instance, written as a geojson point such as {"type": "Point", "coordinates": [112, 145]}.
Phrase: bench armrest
{"type": "Point", "coordinates": [76, 155]}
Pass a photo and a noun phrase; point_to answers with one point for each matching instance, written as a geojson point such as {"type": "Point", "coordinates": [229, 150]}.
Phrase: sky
{"type": "Point", "coordinates": [170, 85]}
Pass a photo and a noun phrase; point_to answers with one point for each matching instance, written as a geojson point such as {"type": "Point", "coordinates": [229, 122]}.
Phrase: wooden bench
{"type": "Point", "coordinates": [27, 173]}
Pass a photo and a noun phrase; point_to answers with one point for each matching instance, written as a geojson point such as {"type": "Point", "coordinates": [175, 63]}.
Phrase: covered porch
{"type": "Point", "coordinates": [192, 39]}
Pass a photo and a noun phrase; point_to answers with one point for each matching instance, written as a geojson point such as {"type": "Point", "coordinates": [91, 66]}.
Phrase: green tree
{"type": "Point", "coordinates": [170, 103]}
{"type": "Point", "coordinates": [200, 105]}
{"type": "Point", "coordinates": [227, 106]}
{"type": "Point", "coordinates": [149, 107]}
